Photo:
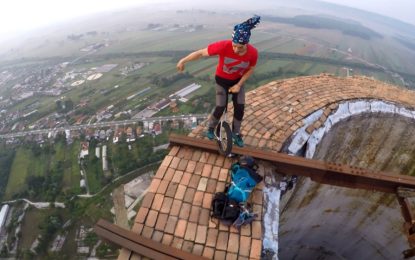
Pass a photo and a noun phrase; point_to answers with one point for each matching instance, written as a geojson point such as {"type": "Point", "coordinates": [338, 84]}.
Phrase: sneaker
{"type": "Point", "coordinates": [237, 139]}
{"type": "Point", "coordinates": [210, 133]}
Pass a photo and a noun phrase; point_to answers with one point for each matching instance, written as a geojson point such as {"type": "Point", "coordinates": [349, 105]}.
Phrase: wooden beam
{"type": "Point", "coordinates": [319, 171]}
{"type": "Point", "coordinates": [138, 244]}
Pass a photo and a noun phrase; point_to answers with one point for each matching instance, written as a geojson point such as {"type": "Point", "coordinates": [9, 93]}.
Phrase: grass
{"type": "Point", "coordinates": [20, 170]}
{"type": "Point", "coordinates": [30, 226]}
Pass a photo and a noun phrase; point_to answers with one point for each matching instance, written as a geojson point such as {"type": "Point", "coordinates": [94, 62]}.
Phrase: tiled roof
{"type": "Point", "coordinates": [176, 209]}
{"type": "Point", "coordinates": [273, 112]}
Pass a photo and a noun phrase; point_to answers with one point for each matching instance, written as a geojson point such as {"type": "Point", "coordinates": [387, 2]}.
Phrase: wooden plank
{"type": "Point", "coordinates": [139, 244]}
{"type": "Point", "coordinates": [319, 171]}
{"type": "Point", "coordinates": [124, 242]}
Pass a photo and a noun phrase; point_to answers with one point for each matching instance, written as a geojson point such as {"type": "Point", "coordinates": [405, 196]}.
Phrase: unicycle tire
{"type": "Point", "coordinates": [225, 145]}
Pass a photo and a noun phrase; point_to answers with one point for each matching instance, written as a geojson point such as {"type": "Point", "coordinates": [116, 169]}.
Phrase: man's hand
{"type": "Point", "coordinates": [180, 66]}
{"type": "Point", "coordinates": [235, 88]}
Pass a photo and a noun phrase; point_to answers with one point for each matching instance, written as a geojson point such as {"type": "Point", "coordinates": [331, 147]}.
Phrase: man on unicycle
{"type": "Point", "coordinates": [237, 60]}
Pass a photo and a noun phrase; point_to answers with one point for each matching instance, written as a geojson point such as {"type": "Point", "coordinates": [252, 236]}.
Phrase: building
{"type": "Point", "coordinates": [338, 221]}
{"type": "Point", "coordinates": [3, 216]}
{"type": "Point", "coordinates": [104, 158]}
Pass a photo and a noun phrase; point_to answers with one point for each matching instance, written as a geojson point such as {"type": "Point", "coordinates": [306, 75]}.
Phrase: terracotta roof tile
{"type": "Point", "coordinates": [154, 185]}
{"type": "Point", "coordinates": [185, 211]}
{"type": "Point", "coordinates": [157, 202]}
{"type": "Point", "coordinates": [157, 236]}
{"type": "Point", "coordinates": [148, 199]}
{"type": "Point", "coordinates": [175, 162]}
{"type": "Point", "coordinates": [177, 242]}
{"type": "Point", "coordinates": [207, 200]}
{"type": "Point", "coordinates": [223, 227]}
{"type": "Point", "coordinates": [185, 178]}
{"type": "Point", "coordinates": [174, 150]}
{"type": "Point", "coordinates": [198, 198]}
{"type": "Point", "coordinates": [176, 207]}
{"type": "Point", "coordinates": [256, 229]}
{"type": "Point", "coordinates": [220, 186]}
{"type": "Point", "coordinates": [202, 184]}
{"type": "Point", "coordinates": [191, 165]}
{"type": "Point", "coordinates": [167, 203]}
{"type": "Point", "coordinates": [147, 232]}
{"type": "Point", "coordinates": [188, 153]}
{"type": "Point", "coordinates": [219, 161]}
{"type": "Point", "coordinates": [171, 224]}
{"type": "Point", "coordinates": [180, 228]}
{"type": "Point", "coordinates": [141, 215]}
{"type": "Point", "coordinates": [256, 246]}
{"type": "Point", "coordinates": [182, 165]}
{"type": "Point", "coordinates": [162, 187]}
{"type": "Point", "coordinates": [160, 172]}
{"type": "Point", "coordinates": [204, 157]}
{"type": "Point", "coordinates": [181, 189]}
{"type": "Point", "coordinates": [161, 221]}
{"type": "Point", "coordinates": [171, 189]}
{"type": "Point", "coordinates": [233, 243]}
{"type": "Point", "coordinates": [189, 196]}
{"type": "Point", "coordinates": [198, 249]}
{"type": "Point", "coordinates": [167, 239]}
{"type": "Point", "coordinates": [231, 256]}
{"type": "Point", "coordinates": [196, 155]}
{"type": "Point", "coordinates": [245, 245]}
{"type": "Point", "coordinates": [212, 235]}
{"type": "Point", "coordinates": [201, 234]}
{"type": "Point", "coordinates": [223, 175]}
{"type": "Point", "coordinates": [137, 228]}
{"type": "Point", "coordinates": [199, 168]}
{"type": "Point", "coordinates": [177, 176]}
{"type": "Point", "coordinates": [220, 255]}
{"type": "Point", "coordinates": [212, 158]}
{"type": "Point", "coordinates": [207, 170]}
{"type": "Point", "coordinates": [194, 181]}
{"type": "Point", "coordinates": [204, 217]}
{"type": "Point", "coordinates": [211, 186]}
{"type": "Point", "coordinates": [169, 174]}
{"type": "Point", "coordinates": [194, 214]}
{"type": "Point", "coordinates": [187, 246]}
{"type": "Point", "coordinates": [190, 231]}
{"type": "Point", "coordinates": [151, 218]}
{"type": "Point", "coordinates": [208, 252]}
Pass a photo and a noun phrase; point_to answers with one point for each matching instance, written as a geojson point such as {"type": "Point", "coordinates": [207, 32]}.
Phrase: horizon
{"type": "Point", "coordinates": [15, 21]}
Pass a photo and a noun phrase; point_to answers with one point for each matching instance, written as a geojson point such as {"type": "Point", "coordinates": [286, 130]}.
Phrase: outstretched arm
{"type": "Point", "coordinates": [192, 56]}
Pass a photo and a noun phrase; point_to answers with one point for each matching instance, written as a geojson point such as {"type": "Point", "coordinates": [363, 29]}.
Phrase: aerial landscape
{"type": "Point", "coordinates": [87, 106]}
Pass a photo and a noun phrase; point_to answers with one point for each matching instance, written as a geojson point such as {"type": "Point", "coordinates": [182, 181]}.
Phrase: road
{"type": "Point", "coordinates": [102, 124]}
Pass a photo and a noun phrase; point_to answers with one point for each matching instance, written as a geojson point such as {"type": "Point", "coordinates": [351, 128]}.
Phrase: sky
{"type": "Point", "coordinates": [399, 9]}
{"type": "Point", "coordinates": [23, 15]}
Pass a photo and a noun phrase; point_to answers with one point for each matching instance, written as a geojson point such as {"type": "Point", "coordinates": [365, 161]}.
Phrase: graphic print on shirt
{"type": "Point", "coordinates": [233, 66]}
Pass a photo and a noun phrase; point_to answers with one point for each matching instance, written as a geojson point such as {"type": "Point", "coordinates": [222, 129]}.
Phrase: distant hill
{"type": "Point", "coordinates": [318, 22]}
{"type": "Point", "coordinates": [393, 23]}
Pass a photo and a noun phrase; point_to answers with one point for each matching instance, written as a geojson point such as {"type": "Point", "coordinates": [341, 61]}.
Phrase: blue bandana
{"type": "Point", "coordinates": [242, 32]}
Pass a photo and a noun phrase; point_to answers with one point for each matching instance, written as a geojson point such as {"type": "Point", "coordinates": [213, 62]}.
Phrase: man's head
{"type": "Point", "coordinates": [239, 49]}
{"type": "Point", "coordinates": [242, 32]}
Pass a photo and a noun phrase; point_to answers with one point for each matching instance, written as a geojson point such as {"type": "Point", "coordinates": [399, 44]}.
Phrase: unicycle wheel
{"type": "Point", "coordinates": [224, 138]}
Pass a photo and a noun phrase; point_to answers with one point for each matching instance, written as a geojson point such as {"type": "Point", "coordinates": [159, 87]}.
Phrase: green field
{"type": "Point", "coordinates": [23, 165]}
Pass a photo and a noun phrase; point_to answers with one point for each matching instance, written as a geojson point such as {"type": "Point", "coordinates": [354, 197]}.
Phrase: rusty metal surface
{"type": "Point", "coordinates": [138, 244]}
{"type": "Point", "coordinates": [322, 172]}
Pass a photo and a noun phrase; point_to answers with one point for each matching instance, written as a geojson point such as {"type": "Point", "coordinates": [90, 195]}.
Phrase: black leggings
{"type": "Point", "coordinates": [238, 100]}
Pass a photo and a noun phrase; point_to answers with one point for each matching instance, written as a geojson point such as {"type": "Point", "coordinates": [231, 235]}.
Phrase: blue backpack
{"type": "Point", "coordinates": [244, 180]}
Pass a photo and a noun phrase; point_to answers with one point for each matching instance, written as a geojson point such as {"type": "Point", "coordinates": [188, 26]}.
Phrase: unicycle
{"type": "Point", "coordinates": [223, 133]}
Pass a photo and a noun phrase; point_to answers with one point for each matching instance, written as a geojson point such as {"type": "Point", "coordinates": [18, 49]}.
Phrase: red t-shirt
{"type": "Point", "coordinates": [231, 65]}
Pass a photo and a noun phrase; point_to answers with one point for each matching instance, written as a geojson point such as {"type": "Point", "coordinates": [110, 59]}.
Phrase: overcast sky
{"type": "Point", "coordinates": [19, 15]}
{"type": "Point", "coordinates": [399, 9]}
